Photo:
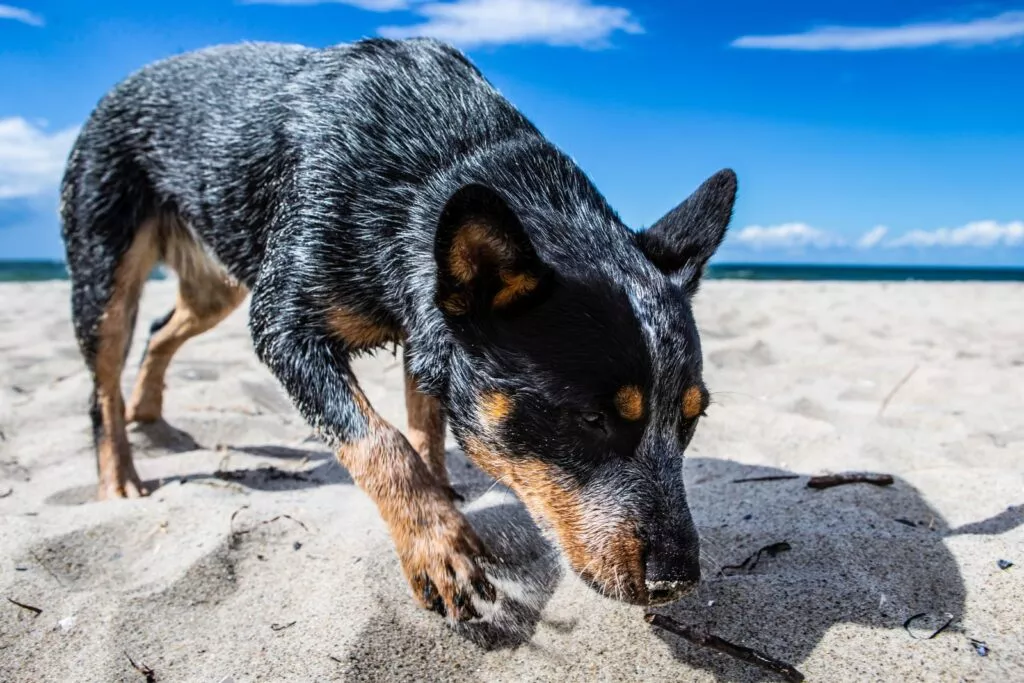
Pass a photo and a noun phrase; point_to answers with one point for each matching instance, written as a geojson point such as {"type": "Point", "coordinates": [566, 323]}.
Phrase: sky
{"type": "Point", "coordinates": [870, 132]}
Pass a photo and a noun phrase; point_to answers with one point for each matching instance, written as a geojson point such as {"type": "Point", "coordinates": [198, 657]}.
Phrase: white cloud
{"type": "Point", "coordinates": [872, 237]}
{"type": "Point", "coordinates": [22, 15]}
{"type": "Point", "coordinates": [975, 234]}
{"type": "Point", "coordinates": [785, 235]}
{"type": "Point", "coordinates": [31, 159]}
{"type": "Point", "coordinates": [372, 5]}
{"type": "Point", "coordinates": [471, 23]}
{"type": "Point", "coordinates": [1003, 27]}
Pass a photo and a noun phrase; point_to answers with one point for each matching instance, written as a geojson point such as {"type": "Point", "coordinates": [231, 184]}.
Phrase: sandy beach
{"type": "Point", "coordinates": [256, 559]}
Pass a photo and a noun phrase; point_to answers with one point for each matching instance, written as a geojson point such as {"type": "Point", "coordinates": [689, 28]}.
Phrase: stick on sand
{"type": "Point", "coordinates": [827, 481]}
{"type": "Point", "coordinates": [713, 642]}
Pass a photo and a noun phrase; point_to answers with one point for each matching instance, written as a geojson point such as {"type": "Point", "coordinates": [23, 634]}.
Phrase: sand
{"type": "Point", "coordinates": [288, 574]}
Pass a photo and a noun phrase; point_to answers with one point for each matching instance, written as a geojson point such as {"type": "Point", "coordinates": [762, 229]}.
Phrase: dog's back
{"type": "Point", "coordinates": [224, 139]}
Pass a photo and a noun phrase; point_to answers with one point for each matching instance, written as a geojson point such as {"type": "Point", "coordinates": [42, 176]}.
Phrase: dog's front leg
{"type": "Point", "coordinates": [438, 549]}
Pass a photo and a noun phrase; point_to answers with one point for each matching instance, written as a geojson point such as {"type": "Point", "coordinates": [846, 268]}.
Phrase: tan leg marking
{"type": "Point", "coordinates": [494, 408]}
{"type": "Point", "coordinates": [436, 545]}
{"type": "Point", "coordinates": [117, 475]}
{"type": "Point", "coordinates": [426, 428]}
{"type": "Point", "coordinates": [187, 321]}
{"type": "Point", "coordinates": [206, 295]}
{"type": "Point", "coordinates": [359, 331]}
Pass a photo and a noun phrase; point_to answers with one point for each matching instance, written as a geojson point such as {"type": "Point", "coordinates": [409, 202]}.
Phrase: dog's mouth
{"type": "Point", "coordinates": [654, 593]}
{"type": "Point", "coordinates": [666, 592]}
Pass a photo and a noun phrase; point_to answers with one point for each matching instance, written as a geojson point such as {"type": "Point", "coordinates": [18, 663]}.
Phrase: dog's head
{"type": "Point", "coordinates": [579, 384]}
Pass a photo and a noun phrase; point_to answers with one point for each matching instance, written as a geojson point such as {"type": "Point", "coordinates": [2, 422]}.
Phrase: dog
{"type": "Point", "coordinates": [383, 192]}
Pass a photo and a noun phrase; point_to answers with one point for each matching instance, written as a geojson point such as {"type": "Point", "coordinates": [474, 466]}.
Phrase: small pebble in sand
{"type": "Point", "coordinates": [1004, 564]}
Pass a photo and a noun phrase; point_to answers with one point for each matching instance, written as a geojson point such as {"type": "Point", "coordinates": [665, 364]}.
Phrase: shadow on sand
{"type": "Point", "coordinates": [859, 554]}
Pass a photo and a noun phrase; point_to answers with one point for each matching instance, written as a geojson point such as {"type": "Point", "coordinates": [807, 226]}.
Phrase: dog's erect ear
{"type": "Point", "coordinates": [485, 261]}
{"type": "Point", "coordinates": [683, 241]}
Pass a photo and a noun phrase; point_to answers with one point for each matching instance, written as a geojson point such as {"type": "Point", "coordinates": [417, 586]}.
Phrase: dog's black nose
{"type": "Point", "coordinates": [672, 566]}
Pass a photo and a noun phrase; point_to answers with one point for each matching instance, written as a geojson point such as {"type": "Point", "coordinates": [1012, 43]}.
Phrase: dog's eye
{"type": "Point", "coordinates": [593, 420]}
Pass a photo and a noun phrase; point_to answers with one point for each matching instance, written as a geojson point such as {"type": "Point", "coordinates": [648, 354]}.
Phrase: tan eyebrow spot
{"type": "Point", "coordinates": [629, 401]}
{"type": "Point", "coordinates": [693, 402]}
{"type": "Point", "coordinates": [495, 407]}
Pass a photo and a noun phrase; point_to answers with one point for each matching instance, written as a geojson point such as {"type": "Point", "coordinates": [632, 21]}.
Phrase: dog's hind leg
{"type": "Point", "coordinates": [206, 295]}
{"type": "Point", "coordinates": [106, 289]}
{"type": "Point", "coordinates": [426, 431]}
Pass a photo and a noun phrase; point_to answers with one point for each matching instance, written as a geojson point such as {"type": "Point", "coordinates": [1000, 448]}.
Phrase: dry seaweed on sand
{"type": "Point", "coordinates": [142, 669]}
{"type": "Point", "coordinates": [269, 473]}
{"type": "Point", "coordinates": [942, 627]}
{"type": "Point", "coordinates": [827, 481]}
{"type": "Point", "coordinates": [771, 550]}
{"type": "Point", "coordinates": [787, 671]}
{"type": "Point", "coordinates": [35, 610]}
{"type": "Point", "coordinates": [236, 533]}
{"type": "Point", "coordinates": [980, 646]}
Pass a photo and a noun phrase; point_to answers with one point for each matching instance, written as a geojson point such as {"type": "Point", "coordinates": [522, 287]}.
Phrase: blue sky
{"type": "Point", "coordinates": [869, 132]}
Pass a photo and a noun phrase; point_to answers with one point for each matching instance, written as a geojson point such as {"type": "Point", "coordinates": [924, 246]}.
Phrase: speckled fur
{"type": "Point", "coordinates": [332, 184]}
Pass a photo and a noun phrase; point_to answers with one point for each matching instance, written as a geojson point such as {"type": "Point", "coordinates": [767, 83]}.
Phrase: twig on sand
{"type": "Point", "coordinates": [746, 565]}
{"type": "Point", "coordinates": [231, 522]}
{"type": "Point", "coordinates": [772, 477]}
{"type": "Point", "coordinates": [827, 481]}
{"type": "Point", "coordinates": [713, 642]}
{"type": "Point", "coordinates": [142, 669]}
{"type": "Point", "coordinates": [335, 659]}
{"type": "Point", "coordinates": [6, 493]}
{"type": "Point", "coordinates": [892, 393]}
{"type": "Point", "coordinates": [35, 610]}
{"type": "Point", "coordinates": [240, 532]}
{"type": "Point", "coordinates": [940, 629]}
{"type": "Point", "coordinates": [281, 627]}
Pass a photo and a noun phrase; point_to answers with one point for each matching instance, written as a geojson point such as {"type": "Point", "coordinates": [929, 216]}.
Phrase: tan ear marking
{"type": "Point", "coordinates": [693, 402]}
{"type": "Point", "coordinates": [629, 401]}
{"type": "Point", "coordinates": [473, 244]}
{"type": "Point", "coordinates": [516, 285]}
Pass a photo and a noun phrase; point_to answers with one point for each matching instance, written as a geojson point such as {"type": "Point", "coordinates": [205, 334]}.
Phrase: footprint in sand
{"type": "Point", "coordinates": [810, 408]}
{"type": "Point", "coordinates": [759, 355]}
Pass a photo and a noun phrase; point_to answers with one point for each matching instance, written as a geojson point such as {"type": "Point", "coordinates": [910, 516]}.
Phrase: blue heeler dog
{"type": "Point", "coordinates": [384, 192]}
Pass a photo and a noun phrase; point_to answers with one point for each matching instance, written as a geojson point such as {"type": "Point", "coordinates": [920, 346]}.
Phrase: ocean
{"type": "Point", "coordinates": [38, 271]}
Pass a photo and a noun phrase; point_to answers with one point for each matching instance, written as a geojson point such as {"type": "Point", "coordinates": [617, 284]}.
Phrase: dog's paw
{"type": "Point", "coordinates": [441, 556]}
{"type": "Point", "coordinates": [132, 488]}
